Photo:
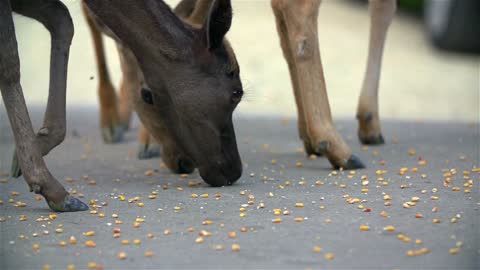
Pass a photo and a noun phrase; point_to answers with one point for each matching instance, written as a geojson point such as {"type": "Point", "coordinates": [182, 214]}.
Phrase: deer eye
{"type": "Point", "coordinates": [147, 96]}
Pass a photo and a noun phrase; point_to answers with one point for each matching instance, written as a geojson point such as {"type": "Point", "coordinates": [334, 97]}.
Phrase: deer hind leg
{"type": "Point", "coordinates": [297, 28]}
{"type": "Point", "coordinates": [148, 147]}
{"type": "Point", "coordinates": [111, 126]}
{"type": "Point", "coordinates": [381, 15]}
{"type": "Point", "coordinates": [30, 147]}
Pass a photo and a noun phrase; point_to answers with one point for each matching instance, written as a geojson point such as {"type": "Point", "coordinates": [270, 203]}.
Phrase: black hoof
{"type": "Point", "coordinates": [112, 135]}
{"type": "Point", "coordinates": [69, 204]}
{"type": "Point", "coordinates": [148, 151]}
{"type": "Point", "coordinates": [372, 140]}
{"type": "Point", "coordinates": [15, 171]}
{"type": "Point", "coordinates": [351, 164]}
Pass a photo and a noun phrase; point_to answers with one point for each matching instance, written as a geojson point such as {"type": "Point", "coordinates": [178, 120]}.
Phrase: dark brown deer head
{"type": "Point", "coordinates": [193, 83]}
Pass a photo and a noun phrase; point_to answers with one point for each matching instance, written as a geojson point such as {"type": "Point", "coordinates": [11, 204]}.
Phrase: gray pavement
{"type": "Point", "coordinates": [329, 221]}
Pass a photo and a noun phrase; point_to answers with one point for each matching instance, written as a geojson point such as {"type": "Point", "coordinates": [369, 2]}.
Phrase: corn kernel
{"type": "Point", "coordinates": [364, 228]}
{"type": "Point", "coordinates": [122, 255]}
{"type": "Point", "coordinates": [148, 254]}
{"type": "Point", "coordinates": [276, 220]}
{"type": "Point", "coordinates": [389, 228]}
{"type": "Point", "coordinates": [89, 233]}
{"type": "Point", "coordinates": [90, 243]}
{"type": "Point", "coordinates": [329, 256]}
{"type": "Point", "coordinates": [298, 219]}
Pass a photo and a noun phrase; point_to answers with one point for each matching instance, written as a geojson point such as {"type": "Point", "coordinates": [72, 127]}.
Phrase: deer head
{"type": "Point", "coordinates": [193, 83]}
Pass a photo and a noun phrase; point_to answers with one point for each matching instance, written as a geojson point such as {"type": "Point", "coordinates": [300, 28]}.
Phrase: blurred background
{"type": "Point", "coordinates": [419, 81]}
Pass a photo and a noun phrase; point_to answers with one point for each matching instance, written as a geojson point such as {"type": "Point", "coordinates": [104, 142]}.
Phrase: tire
{"type": "Point", "coordinates": [454, 24]}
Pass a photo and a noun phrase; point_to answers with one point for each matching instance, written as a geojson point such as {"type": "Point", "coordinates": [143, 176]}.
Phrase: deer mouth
{"type": "Point", "coordinates": [221, 173]}
{"type": "Point", "coordinates": [185, 166]}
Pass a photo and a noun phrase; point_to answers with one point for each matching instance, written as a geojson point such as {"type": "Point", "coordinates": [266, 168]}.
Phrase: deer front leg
{"type": "Point", "coordinates": [28, 151]}
{"type": "Point", "coordinates": [56, 18]}
{"type": "Point", "coordinates": [297, 28]}
{"type": "Point", "coordinates": [381, 15]}
{"type": "Point", "coordinates": [111, 125]}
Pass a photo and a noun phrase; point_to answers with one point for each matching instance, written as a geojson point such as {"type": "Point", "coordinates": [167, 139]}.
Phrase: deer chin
{"type": "Point", "coordinates": [220, 174]}
{"type": "Point", "coordinates": [216, 174]}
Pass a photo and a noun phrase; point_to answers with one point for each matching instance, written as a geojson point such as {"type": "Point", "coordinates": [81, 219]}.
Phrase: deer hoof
{"type": "Point", "coordinates": [112, 135]}
{"type": "Point", "coordinates": [146, 151]}
{"type": "Point", "coordinates": [69, 204]}
{"type": "Point", "coordinates": [372, 140]}
{"type": "Point", "coordinates": [15, 170]}
{"type": "Point", "coordinates": [351, 164]}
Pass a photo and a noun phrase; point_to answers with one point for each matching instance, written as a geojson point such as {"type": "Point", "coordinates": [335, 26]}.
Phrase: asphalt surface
{"type": "Point", "coordinates": [330, 222]}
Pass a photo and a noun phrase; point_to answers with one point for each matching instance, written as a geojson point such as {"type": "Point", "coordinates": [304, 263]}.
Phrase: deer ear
{"type": "Point", "coordinates": [218, 23]}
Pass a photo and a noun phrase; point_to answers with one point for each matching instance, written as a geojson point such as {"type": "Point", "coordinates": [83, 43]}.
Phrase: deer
{"type": "Point", "coordinates": [182, 78]}
{"type": "Point", "coordinates": [296, 23]}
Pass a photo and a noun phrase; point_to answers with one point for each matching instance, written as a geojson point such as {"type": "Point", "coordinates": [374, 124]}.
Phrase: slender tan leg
{"type": "Point", "coordinates": [381, 15]}
{"type": "Point", "coordinates": [287, 53]}
{"type": "Point", "coordinates": [110, 123]}
{"type": "Point", "coordinates": [28, 150]}
{"type": "Point", "coordinates": [297, 27]}
{"type": "Point", "coordinates": [132, 80]}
